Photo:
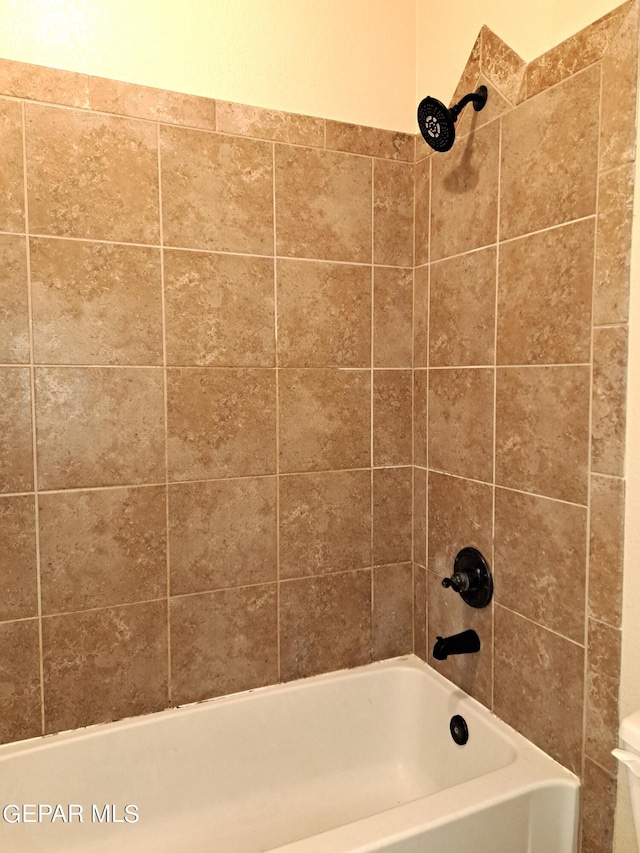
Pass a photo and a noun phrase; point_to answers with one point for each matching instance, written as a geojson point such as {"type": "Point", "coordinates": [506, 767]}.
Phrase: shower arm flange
{"type": "Point", "coordinates": [477, 98]}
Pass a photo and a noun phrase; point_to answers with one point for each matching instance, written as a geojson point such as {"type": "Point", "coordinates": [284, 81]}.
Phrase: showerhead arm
{"type": "Point", "coordinates": [477, 98]}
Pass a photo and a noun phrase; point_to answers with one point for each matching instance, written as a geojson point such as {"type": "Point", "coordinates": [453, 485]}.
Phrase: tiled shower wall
{"type": "Point", "coordinates": [205, 384]}
{"type": "Point", "coordinates": [522, 277]}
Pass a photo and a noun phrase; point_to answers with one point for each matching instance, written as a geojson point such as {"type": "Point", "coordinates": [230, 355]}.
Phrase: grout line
{"type": "Point", "coordinates": [511, 366]}
{"type": "Point", "coordinates": [371, 378]}
{"type": "Point", "coordinates": [34, 442]}
{"type": "Point", "coordinates": [506, 488]}
{"type": "Point", "coordinates": [540, 625]}
{"type": "Point", "coordinates": [166, 418]}
{"type": "Point", "coordinates": [277, 405]}
{"type": "Point", "coordinates": [413, 414]}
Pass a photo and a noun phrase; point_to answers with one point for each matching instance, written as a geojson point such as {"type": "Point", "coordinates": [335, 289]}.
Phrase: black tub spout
{"type": "Point", "coordinates": [458, 644]}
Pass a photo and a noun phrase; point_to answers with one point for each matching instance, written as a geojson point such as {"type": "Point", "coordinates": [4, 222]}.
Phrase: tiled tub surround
{"type": "Point", "coordinates": [520, 338]}
{"type": "Point", "coordinates": [205, 374]}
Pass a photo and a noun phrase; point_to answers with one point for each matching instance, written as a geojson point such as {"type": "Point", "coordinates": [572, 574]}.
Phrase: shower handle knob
{"type": "Point", "coordinates": [458, 582]}
{"type": "Point", "coordinates": [471, 578]}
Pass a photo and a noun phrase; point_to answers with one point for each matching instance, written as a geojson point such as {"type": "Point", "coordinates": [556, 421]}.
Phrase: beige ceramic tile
{"type": "Point", "coordinates": [221, 423]}
{"type": "Point", "coordinates": [542, 430]}
{"type": "Point", "coordinates": [544, 296]}
{"type": "Point", "coordinates": [420, 397]}
{"type": "Point", "coordinates": [606, 550]}
{"type": "Point", "coordinates": [461, 422]}
{"type": "Point", "coordinates": [495, 106]}
{"type": "Point", "coordinates": [20, 709]}
{"type": "Point", "coordinates": [392, 401]}
{"type": "Point", "coordinates": [392, 614]}
{"type": "Point", "coordinates": [243, 120]}
{"type": "Point", "coordinates": [549, 157]}
{"type": "Point", "coordinates": [217, 192]}
{"type": "Point", "coordinates": [91, 176]}
{"type": "Point", "coordinates": [421, 317]}
{"type": "Point", "coordinates": [572, 55]}
{"type": "Point", "coordinates": [219, 310]}
{"type": "Point", "coordinates": [103, 665]}
{"type": "Point", "coordinates": [419, 517]}
{"type": "Point", "coordinates": [336, 189]}
{"type": "Point", "coordinates": [460, 516]}
{"type": "Point", "coordinates": [457, 335]}
{"type": "Point", "coordinates": [112, 96]}
{"type": "Point", "coordinates": [99, 426]}
{"type": "Point", "coordinates": [502, 65]}
{"type": "Point", "coordinates": [102, 548]}
{"type": "Point", "coordinates": [325, 623]}
{"type": "Point", "coordinates": [324, 314]}
{"type": "Point", "coordinates": [603, 684]}
{"type": "Point", "coordinates": [12, 173]}
{"type": "Point", "coordinates": [619, 91]}
{"type": "Point", "coordinates": [16, 452]}
{"type": "Point", "coordinates": [393, 213]}
{"type": "Point", "coordinates": [18, 571]}
{"type": "Point", "coordinates": [540, 561]}
{"type": "Point", "coordinates": [420, 612]}
{"type": "Point", "coordinates": [422, 208]}
{"type": "Point", "coordinates": [609, 400]}
{"type": "Point", "coordinates": [372, 141]}
{"type": "Point", "coordinates": [598, 809]}
{"type": "Point", "coordinates": [325, 418]}
{"type": "Point", "coordinates": [222, 534]}
{"type": "Point", "coordinates": [464, 189]}
{"type": "Point", "coordinates": [392, 317]}
{"type": "Point", "coordinates": [325, 523]}
{"type": "Point", "coordinates": [613, 247]}
{"type": "Point", "coordinates": [39, 83]}
{"type": "Point", "coordinates": [392, 488]}
{"type": "Point", "coordinates": [95, 304]}
{"type": "Point", "coordinates": [223, 642]}
{"type": "Point", "coordinates": [448, 615]}
{"type": "Point", "coordinates": [14, 306]}
{"type": "Point", "coordinates": [531, 662]}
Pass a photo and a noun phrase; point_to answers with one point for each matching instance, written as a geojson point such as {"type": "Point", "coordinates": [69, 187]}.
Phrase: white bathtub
{"type": "Point", "coordinates": [359, 760]}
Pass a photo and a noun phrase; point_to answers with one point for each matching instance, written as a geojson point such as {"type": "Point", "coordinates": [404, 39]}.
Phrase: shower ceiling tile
{"type": "Point", "coordinates": [392, 611]}
{"type": "Point", "coordinates": [91, 176]}
{"type": "Point", "coordinates": [223, 642]}
{"type": "Point", "coordinates": [460, 516]}
{"type": "Point", "coordinates": [393, 213]}
{"type": "Point", "coordinates": [20, 709]}
{"type": "Point", "coordinates": [261, 123]}
{"type": "Point", "coordinates": [392, 413]}
{"type": "Point", "coordinates": [613, 246]}
{"type": "Point", "coordinates": [324, 314]}
{"type": "Point", "coordinates": [325, 418]}
{"type": "Point", "coordinates": [459, 336]}
{"type": "Point", "coordinates": [461, 422]}
{"type": "Point", "coordinates": [557, 532]}
{"type": "Point", "coordinates": [609, 400]}
{"type": "Point", "coordinates": [542, 430]}
{"type": "Point", "coordinates": [464, 188]}
{"type": "Point", "coordinates": [16, 453]}
{"type": "Point", "coordinates": [392, 511]}
{"type": "Point", "coordinates": [14, 318]}
{"type": "Point", "coordinates": [18, 579]}
{"type": "Point", "coordinates": [99, 426]}
{"type": "Point", "coordinates": [538, 686]}
{"type": "Point", "coordinates": [12, 172]}
{"type": "Point", "coordinates": [103, 665]}
{"type": "Point", "coordinates": [219, 310]}
{"type": "Point", "coordinates": [95, 304]}
{"type": "Point", "coordinates": [221, 423]}
{"type": "Point", "coordinates": [325, 623]}
{"type": "Point", "coordinates": [93, 543]}
{"type": "Point", "coordinates": [606, 549]}
{"type": "Point", "coordinates": [222, 534]}
{"type": "Point", "coordinates": [334, 220]}
{"type": "Point", "coordinates": [325, 523]}
{"type": "Point", "coordinates": [217, 192]}
{"type": "Point", "coordinates": [392, 317]}
{"type": "Point", "coordinates": [544, 296]}
{"type": "Point", "coordinates": [549, 157]}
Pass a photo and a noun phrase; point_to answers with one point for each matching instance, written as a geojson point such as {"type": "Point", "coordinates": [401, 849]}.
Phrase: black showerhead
{"type": "Point", "coordinates": [437, 123]}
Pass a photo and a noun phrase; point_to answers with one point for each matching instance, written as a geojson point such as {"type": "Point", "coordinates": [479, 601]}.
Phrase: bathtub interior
{"type": "Point", "coordinates": [259, 770]}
